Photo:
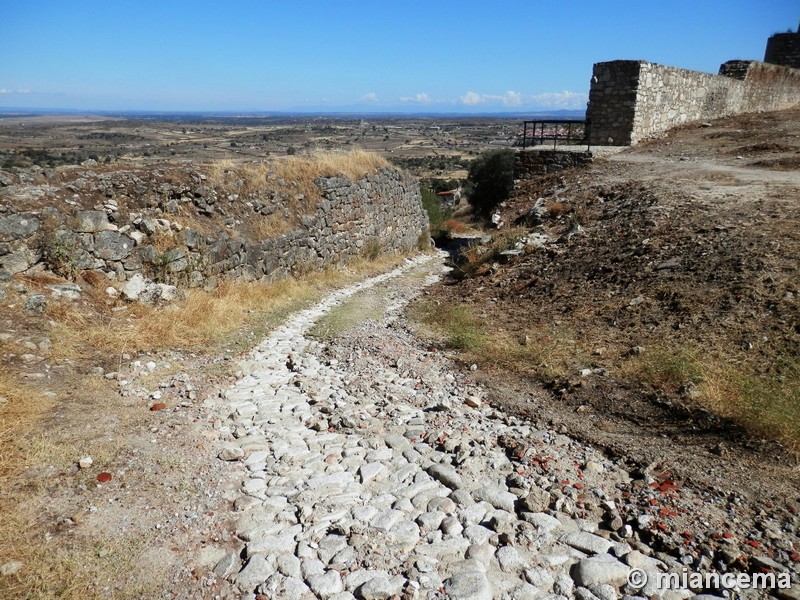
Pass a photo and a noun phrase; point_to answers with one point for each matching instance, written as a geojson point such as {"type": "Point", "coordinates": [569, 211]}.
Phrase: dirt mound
{"type": "Point", "coordinates": [655, 296]}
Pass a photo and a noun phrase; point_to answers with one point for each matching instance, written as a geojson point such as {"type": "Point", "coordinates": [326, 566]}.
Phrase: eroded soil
{"type": "Point", "coordinates": [684, 245]}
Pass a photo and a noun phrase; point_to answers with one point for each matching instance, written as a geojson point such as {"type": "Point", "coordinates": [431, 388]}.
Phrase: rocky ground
{"type": "Point", "coordinates": [350, 459]}
{"type": "Point", "coordinates": [347, 457]}
{"type": "Point", "coordinates": [633, 292]}
{"type": "Point", "coordinates": [375, 468]}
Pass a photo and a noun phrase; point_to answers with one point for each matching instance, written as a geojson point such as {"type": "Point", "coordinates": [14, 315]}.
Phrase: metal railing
{"type": "Point", "coordinates": [567, 131]}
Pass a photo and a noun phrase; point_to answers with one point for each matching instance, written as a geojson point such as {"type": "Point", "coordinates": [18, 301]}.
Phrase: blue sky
{"type": "Point", "coordinates": [382, 55]}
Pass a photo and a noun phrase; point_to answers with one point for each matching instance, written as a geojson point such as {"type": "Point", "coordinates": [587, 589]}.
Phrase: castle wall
{"type": "Point", "coordinates": [630, 101]}
{"type": "Point", "coordinates": [783, 49]}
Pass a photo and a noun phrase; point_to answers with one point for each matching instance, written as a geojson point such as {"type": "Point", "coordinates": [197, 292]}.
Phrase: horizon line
{"type": "Point", "coordinates": [288, 112]}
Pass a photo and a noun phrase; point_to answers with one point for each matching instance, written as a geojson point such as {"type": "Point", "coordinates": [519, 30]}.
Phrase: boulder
{"type": "Point", "coordinates": [175, 258]}
{"type": "Point", "coordinates": [134, 287]}
{"type": "Point", "coordinates": [18, 227]}
{"type": "Point", "coordinates": [36, 304]}
{"type": "Point", "coordinates": [70, 291]}
{"type": "Point", "coordinates": [160, 293]}
{"type": "Point", "coordinates": [17, 262]}
{"type": "Point", "coordinates": [599, 569]}
{"type": "Point", "coordinates": [92, 221]}
{"type": "Point", "coordinates": [110, 245]}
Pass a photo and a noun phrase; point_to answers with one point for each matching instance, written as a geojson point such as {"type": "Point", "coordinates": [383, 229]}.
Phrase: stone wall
{"type": "Point", "coordinates": [633, 100]}
{"type": "Point", "coordinates": [784, 49]}
{"type": "Point", "coordinates": [535, 163]}
{"type": "Point", "coordinates": [123, 223]}
{"type": "Point", "coordinates": [612, 102]}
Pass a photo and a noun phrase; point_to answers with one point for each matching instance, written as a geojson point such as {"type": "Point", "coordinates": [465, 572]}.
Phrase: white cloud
{"type": "Point", "coordinates": [369, 97]}
{"type": "Point", "coordinates": [6, 91]}
{"type": "Point", "coordinates": [471, 98]}
{"type": "Point", "coordinates": [421, 98]}
{"type": "Point", "coordinates": [560, 100]}
{"type": "Point", "coordinates": [512, 98]}
{"type": "Point", "coordinates": [565, 100]}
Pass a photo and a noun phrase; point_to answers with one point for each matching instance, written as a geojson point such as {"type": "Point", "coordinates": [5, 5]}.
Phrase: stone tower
{"type": "Point", "coordinates": [784, 49]}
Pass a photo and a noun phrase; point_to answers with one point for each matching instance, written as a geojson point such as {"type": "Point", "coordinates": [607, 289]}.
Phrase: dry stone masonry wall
{"type": "Point", "coordinates": [529, 164]}
{"type": "Point", "coordinates": [174, 226]}
{"type": "Point", "coordinates": [630, 100]}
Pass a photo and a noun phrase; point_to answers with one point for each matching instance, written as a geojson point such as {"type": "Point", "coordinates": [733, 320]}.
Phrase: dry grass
{"type": "Point", "coordinates": [292, 183]}
{"type": "Point", "coordinates": [20, 409]}
{"type": "Point", "coordinates": [50, 569]}
{"type": "Point", "coordinates": [766, 404]}
{"type": "Point", "coordinates": [298, 173]}
{"type": "Point", "coordinates": [274, 225]}
{"type": "Point", "coordinates": [162, 240]}
{"type": "Point", "coordinates": [666, 368]}
{"type": "Point", "coordinates": [86, 570]}
{"type": "Point", "coordinates": [543, 352]}
{"type": "Point", "coordinates": [20, 406]}
{"type": "Point", "coordinates": [203, 320]}
{"type": "Point", "coordinates": [354, 165]}
{"type": "Point", "coordinates": [91, 564]}
{"type": "Point", "coordinates": [453, 226]}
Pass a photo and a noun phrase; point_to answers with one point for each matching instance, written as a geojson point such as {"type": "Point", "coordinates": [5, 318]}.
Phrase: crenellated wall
{"type": "Point", "coordinates": [631, 100]}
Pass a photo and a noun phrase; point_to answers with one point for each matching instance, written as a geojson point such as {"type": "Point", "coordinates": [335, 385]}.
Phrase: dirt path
{"type": "Point", "coordinates": [349, 459]}
{"type": "Point", "coordinates": [371, 466]}
{"type": "Point", "coordinates": [692, 168]}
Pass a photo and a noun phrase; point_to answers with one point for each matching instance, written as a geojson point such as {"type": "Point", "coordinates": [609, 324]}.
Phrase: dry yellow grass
{"type": "Point", "coordinates": [273, 225]}
{"type": "Point", "coordinates": [353, 164]}
{"type": "Point", "coordinates": [201, 320]}
{"type": "Point", "coordinates": [293, 179]}
{"type": "Point", "coordinates": [297, 172]}
{"type": "Point", "coordinates": [766, 404]}
{"type": "Point", "coordinates": [93, 565]}
{"type": "Point", "coordinates": [19, 407]}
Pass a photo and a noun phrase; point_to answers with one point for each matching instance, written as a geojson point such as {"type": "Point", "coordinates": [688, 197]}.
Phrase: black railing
{"type": "Point", "coordinates": [568, 132]}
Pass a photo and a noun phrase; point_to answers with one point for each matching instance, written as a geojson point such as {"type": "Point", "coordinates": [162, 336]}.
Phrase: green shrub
{"type": "Point", "coordinates": [492, 175]}
{"type": "Point", "coordinates": [58, 255]}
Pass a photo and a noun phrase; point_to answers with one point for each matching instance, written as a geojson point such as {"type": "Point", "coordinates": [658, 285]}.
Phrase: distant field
{"type": "Point", "coordinates": [439, 147]}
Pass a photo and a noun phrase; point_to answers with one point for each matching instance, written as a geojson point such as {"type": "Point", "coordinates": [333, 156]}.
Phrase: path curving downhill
{"type": "Point", "coordinates": [375, 470]}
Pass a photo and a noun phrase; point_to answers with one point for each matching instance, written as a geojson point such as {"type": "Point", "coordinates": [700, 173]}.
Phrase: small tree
{"type": "Point", "coordinates": [492, 175]}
